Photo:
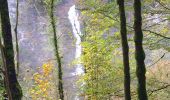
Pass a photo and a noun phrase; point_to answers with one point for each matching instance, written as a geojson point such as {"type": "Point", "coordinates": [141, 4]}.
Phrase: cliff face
{"type": "Point", "coordinates": [35, 43]}
{"type": "Point", "coordinates": [35, 47]}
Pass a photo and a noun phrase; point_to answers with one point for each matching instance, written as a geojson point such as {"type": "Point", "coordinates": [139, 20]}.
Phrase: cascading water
{"type": "Point", "coordinates": [33, 43]}
{"type": "Point", "coordinates": [73, 17]}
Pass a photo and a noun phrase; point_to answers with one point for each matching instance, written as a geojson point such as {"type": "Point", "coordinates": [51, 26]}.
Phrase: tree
{"type": "Point", "coordinates": [60, 80]}
{"type": "Point", "coordinates": [16, 37]}
{"type": "Point", "coordinates": [139, 53]}
{"type": "Point", "coordinates": [125, 49]}
{"type": "Point", "coordinates": [12, 86]}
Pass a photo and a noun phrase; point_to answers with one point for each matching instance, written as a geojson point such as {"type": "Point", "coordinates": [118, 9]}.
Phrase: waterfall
{"type": "Point", "coordinates": [73, 17]}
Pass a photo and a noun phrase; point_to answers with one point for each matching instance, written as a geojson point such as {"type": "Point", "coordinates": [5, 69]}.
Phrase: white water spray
{"type": "Point", "coordinates": [73, 17]}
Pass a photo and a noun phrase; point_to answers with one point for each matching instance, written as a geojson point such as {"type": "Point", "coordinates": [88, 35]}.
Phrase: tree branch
{"type": "Point", "coordinates": [158, 89]}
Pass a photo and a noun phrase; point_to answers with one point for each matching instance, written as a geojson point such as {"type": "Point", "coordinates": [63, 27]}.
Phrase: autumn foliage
{"type": "Point", "coordinates": [42, 83]}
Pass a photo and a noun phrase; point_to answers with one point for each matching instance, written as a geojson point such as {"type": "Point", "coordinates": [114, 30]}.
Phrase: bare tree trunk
{"type": "Point", "coordinates": [16, 38]}
{"type": "Point", "coordinates": [12, 86]}
{"type": "Point", "coordinates": [4, 71]}
{"type": "Point", "coordinates": [139, 54]}
{"type": "Point", "coordinates": [60, 80]}
{"type": "Point", "coordinates": [125, 49]}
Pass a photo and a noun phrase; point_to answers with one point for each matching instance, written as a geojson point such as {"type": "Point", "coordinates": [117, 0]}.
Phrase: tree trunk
{"type": "Point", "coordinates": [139, 54]}
{"type": "Point", "coordinates": [16, 38]}
{"type": "Point", "coordinates": [125, 49]}
{"type": "Point", "coordinates": [60, 80]}
{"type": "Point", "coordinates": [13, 88]}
